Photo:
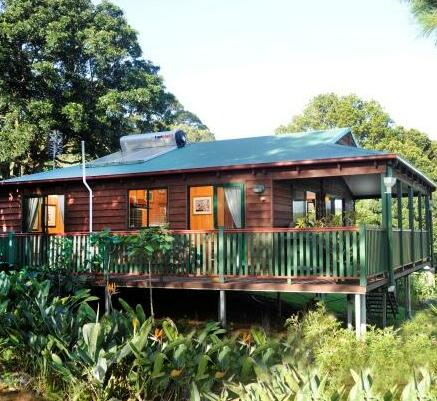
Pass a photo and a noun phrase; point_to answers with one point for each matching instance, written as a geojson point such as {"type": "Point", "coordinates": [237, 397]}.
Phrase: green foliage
{"type": "Point", "coordinates": [423, 286]}
{"type": "Point", "coordinates": [426, 13]}
{"type": "Point", "coordinates": [76, 67]}
{"type": "Point", "coordinates": [369, 122]}
{"type": "Point", "coordinates": [195, 134]}
{"type": "Point", "coordinates": [72, 351]}
{"type": "Point", "coordinates": [150, 243]}
{"type": "Point", "coordinates": [337, 220]}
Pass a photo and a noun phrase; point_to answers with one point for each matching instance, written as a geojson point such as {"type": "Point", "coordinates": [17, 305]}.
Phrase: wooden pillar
{"type": "Point", "coordinates": [221, 254]}
{"type": "Point", "coordinates": [411, 221]}
{"type": "Point", "coordinates": [11, 249]}
{"type": "Point", "coordinates": [387, 223]}
{"type": "Point", "coordinates": [384, 309]}
{"type": "Point", "coordinates": [420, 218]}
{"type": "Point", "coordinates": [349, 311]}
{"type": "Point", "coordinates": [428, 211]}
{"type": "Point", "coordinates": [363, 318]}
{"type": "Point", "coordinates": [222, 308]}
{"type": "Point", "coordinates": [358, 315]}
{"type": "Point", "coordinates": [400, 223]}
{"type": "Point", "coordinates": [407, 289]}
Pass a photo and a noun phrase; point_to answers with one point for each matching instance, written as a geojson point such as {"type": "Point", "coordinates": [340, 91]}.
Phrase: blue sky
{"type": "Point", "coordinates": [246, 66]}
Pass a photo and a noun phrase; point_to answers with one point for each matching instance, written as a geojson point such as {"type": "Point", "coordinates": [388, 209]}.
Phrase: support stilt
{"type": "Point", "coordinates": [363, 315]}
{"type": "Point", "coordinates": [384, 309]}
{"type": "Point", "coordinates": [279, 304]}
{"type": "Point", "coordinates": [408, 311]}
{"type": "Point", "coordinates": [358, 315]}
{"type": "Point", "coordinates": [222, 308]}
{"type": "Point", "coordinates": [350, 311]}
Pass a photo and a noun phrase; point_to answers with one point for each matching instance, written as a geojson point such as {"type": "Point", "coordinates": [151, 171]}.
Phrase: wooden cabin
{"type": "Point", "coordinates": [269, 213]}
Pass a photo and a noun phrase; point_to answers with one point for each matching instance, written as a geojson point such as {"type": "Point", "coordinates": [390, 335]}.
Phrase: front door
{"type": "Point", "coordinates": [202, 208]}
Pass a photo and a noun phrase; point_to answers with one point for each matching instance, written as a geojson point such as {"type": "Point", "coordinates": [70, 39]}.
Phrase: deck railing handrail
{"type": "Point", "coordinates": [334, 252]}
{"type": "Point", "coordinates": [189, 231]}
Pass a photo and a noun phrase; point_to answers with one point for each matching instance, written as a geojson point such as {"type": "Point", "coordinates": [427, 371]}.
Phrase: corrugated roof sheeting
{"type": "Point", "coordinates": [270, 149]}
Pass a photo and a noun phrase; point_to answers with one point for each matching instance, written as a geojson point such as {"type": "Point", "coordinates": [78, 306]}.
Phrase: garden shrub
{"type": "Point", "coordinates": [73, 352]}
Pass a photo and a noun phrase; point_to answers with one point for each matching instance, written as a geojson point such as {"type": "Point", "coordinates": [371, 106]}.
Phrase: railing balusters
{"type": "Point", "coordinates": [317, 252]}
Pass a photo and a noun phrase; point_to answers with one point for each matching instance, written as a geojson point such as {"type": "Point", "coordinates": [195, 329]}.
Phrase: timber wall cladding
{"type": "Point", "coordinates": [110, 202]}
{"type": "Point", "coordinates": [282, 201]}
{"type": "Point", "coordinates": [10, 211]}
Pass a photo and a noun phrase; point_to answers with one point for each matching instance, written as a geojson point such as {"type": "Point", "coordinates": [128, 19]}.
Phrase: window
{"type": "Point", "coordinates": [334, 206]}
{"type": "Point", "coordinates": [147, 207]}
{"type": "Point", "coordinates": [44, 214]}
{"type": "Point", "coordinates": [304, 205]}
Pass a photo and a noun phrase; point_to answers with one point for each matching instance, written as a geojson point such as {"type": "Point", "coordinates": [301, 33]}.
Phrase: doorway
{"type": "Point", "coordinates": [215, 206]}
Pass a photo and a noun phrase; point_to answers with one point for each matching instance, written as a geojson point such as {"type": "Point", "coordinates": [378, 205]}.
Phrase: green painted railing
{"type": "Point", "coordinates": [376, 250]}
{"type": "Point", "coordinates": [340, 252]}
{"type": "Point", "coordinates": [410, 247]}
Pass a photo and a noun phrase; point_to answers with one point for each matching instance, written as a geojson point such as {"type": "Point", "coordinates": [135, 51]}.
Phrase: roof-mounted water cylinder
{"type": "Point", "coordinates": [134, 143]}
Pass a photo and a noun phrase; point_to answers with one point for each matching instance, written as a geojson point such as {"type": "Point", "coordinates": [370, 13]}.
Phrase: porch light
{"type": "Point", "coordinates": [389, 183]}
{"type": "Point", "coordinates": [258, 189]}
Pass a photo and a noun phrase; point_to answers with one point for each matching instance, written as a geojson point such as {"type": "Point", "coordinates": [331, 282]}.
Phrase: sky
{"type": "Point", "coordinates": [247, 66]}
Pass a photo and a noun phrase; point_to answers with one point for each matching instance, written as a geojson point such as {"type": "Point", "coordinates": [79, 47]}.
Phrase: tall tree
{"type": "Point", "coordinates": [74, 67]}
{"type": "Point", "coordinates": [368, 120]}
{"type": "Point", "coordinates": [370, 124]}
{"type": "Point", "coordinates": [194, 128]}
{"type": "Point", "coordinates": [425, 12]}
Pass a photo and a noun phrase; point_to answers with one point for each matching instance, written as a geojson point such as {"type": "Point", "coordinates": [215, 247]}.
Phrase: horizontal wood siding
{"type": "Point", "coordinates": [258, 208]}
{"type": "Point", "coordinates": [111, 195]}
{"type": "Point", "coordinates": [109, 207]}
{"type": "Point", "coordinates": [10, 211]}
{"type": "Point", "coordinates": [282, 201]}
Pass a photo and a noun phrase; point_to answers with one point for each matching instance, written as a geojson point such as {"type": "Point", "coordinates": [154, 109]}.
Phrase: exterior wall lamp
{"type": "Point", "coordinates": [258, 189]}
{"type": "Point", "coordinates": [389, 183]}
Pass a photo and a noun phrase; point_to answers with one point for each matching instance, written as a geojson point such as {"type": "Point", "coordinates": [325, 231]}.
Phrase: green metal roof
{"type": "Point", "coordinates": [295, 147]}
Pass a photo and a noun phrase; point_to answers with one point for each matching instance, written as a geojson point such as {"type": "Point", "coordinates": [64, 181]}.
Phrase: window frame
{"type": "Point", "coordinates": [239, 185]}
{"type": "Point", "coordinates": [147, 189]}
{"type": "Point", "coordinates": [44, 207]}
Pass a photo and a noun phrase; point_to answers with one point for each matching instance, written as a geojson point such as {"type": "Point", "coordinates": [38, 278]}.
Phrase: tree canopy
{"type": "Point", "coordinates": [425, 12]}
{"type": "Point", "coordinates": [77, 68]}
{"type": "Point", "coordinates": [371, 125]}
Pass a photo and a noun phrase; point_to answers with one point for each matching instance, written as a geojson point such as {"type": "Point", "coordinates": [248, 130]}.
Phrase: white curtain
{"type": "Point", "coordinates": [33, 205]}
{"type": "Point", "coordinates": [61, 205]}
{"type": "Point", "coordinates": [233, 199]}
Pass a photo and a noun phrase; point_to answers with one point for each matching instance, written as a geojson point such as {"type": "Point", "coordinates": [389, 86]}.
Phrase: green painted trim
{"type": "Point", "coordinates": [11, 248]}
{"type": "Point", "coordinates": [387, 224]}
{"type": "Point", "coordinates": [221, 254]}
{"type": "Point", "coordinates": [400, 223]}
{"type": "Point", "coordinates": [362, 253]}
{"type": "Point", "coordinates": [243, 208]}
{"type": "Point", "coordinates": [411, 221]}
{"type": "Point", "coordinates": [431, 236]}
{"type": "Point", "coordinates": [420, 220]}
{"type": "Point", "coordinates": [428, 224]}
